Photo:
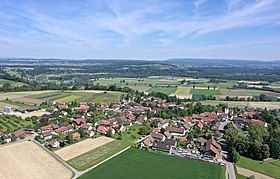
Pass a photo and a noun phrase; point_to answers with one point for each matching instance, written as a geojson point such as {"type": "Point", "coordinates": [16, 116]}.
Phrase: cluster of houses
{"type": "Point", "coordinates": [120, 116]}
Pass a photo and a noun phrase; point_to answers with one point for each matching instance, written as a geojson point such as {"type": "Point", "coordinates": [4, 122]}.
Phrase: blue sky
{"type": "Point", "coordinates": [134, 29]}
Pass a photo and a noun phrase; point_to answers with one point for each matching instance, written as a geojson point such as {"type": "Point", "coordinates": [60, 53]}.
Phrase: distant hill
{"type": "Point", "coordinates": [220, 62]}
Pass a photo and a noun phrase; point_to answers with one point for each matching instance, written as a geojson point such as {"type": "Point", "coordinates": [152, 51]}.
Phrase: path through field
{"type": "Point", "coordinates": [247, 173]}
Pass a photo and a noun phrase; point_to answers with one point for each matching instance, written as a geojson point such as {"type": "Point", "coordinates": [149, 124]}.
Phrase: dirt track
{"type": "Point", "coordinates": [247, 173]}
{"type": "Point", "coordinates": [82, 147]}
{"type": "Point", "coordinates": [27, 160]}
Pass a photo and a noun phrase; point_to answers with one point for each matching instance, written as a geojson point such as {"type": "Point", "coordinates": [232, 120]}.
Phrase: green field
{"type": "Point", "coordinates": [13, 103]}
{"type": "Point", "coordinates": [270, 167]}
{"type": "Point", "coordinates": [136, 163]}
{"type": "Point", "coordinates": [97, 155]}
{"type": "Point", "coordinates": [167, 91]}
{"type": "Point", "coordinates": [10, 123]}
{"type": "Point", "coordinates": [182, 91]}
{"type": "Point", "coordinates": [13, 83]}
{"type": "Point", "coordinates": [205, 92]}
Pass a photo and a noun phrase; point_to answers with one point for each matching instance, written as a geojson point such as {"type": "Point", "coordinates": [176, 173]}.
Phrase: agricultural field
{"type": "Point", "coordinates": [3, 105]}
{"type": "Point", "coordinates": [30, 114]}
{"type": "Point", "coordinates": [37, 97]}
{"type": "Point", "coordinates": [248, 93]}
{"type": "Point", "coordinates": [183, 92]}
{"type": "Point", "coordinates": [13, 83]}
{"type": "Point", "coordinates": [93, 157]}
{"type": "Point", "coordinates": [82, 147]}
{"type": "Point", "coordinates": [166, 91]}
{"type": "Point", "coordinates": [135, 163]}
{"type": "Point", "coordinates": [270, 167]}
{"type": "Point", "coordinates": [17, 104]}
{"type": "Point", "coordinates": [10, 123]}
{"type": "Point", "coordinates": [27, 160]}
{"type": "Point", "coordinates": [243, 104]}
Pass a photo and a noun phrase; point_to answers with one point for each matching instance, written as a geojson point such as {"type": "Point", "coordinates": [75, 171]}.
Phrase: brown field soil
{"type": "Point", "coordinates": [140, 88]}
{"type": "Point", "coordinates": [27, 160]}
{"type": "Point", "coordinates": [28, 100]}
{"type": "Point", "coordinates": [30, 114]}
{"type": "Point", "coordinates": [82, 147]}
{"type": "Point", "coordinates": [184, 96]}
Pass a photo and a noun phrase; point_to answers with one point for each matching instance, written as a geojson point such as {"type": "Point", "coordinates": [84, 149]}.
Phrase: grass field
{"type": "Point", "coordinates": [82, 147]}
{"type": "Point", "coordinates": [10, 123]}
{"type": "Point", "coordinates": [13, 103]}
{"type": "Point", "coordinates": [136, 163]}
{"type": "Point", "coordinates": [270, 167]}
{"type": "Point", "coordinates": [166, 91]}
{"type": "Point", "coordinates": [205, 92]}
{"type": "Point", "coordinates": [243, 104]}
{"type": "Point", "coordinates": [93, 157]}
{"type": "Point", "coordinates": [13, 83]}
{"type": "Point", "coordinates": [182, 91]}
{"type": "Point", "coordinates": [27, 160]}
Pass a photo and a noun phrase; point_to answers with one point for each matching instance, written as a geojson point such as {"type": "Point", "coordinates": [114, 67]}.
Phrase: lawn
{"type": "Point", "coordinates": [166, 91]}
{"type": "Point", "coordinates": [270, 167]}
{"type": "Point", "coordinates": [135, 163]}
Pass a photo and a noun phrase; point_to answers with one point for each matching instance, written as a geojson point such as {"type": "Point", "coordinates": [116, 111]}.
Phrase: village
{"type": "Point", "coordinates": [197, 136]}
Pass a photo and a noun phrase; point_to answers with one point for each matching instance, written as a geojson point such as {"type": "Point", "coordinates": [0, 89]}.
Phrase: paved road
{"type": "Point", "coordinates": [230, 171]}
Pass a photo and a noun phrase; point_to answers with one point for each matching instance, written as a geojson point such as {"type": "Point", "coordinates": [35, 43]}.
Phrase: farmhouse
{"type": "Point", "coordinates": [63, 130]}
{"type": "Point", "coordinates": [176, 131]}
{"type": "Point", "coordinates": [212, 148]}
{"type": "Point", "coordinates": [54, 143]}
{"type": "Point", "coordinates": [23, 132]}
{"type": "Point", "coordinates": [158, 136]}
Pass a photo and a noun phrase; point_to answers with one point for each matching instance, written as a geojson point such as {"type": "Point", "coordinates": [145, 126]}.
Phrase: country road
{"type": "Point", "coordinates": [230, 171]}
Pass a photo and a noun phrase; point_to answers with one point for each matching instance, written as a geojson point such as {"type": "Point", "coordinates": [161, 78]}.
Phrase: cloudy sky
{"type": "Point", "coordinates": [140, 29]}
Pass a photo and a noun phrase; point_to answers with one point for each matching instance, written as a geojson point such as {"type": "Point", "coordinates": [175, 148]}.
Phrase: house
{"type": "Point", "coordinates": [64, 129]}
{"type": "Point", "coordinates": [54, 143]}
{"type": "Point", "coordinates": [256, 121]}
{"type": "Point", "coordinates": [76, 135]}
{"type": "Point", "coordinates": [148, 142]}
{"type": "Point", "coordinates": [105, 130]}
{"type": "Point", "coordinates": [46, 136]}
{"type": "Point", "coordinates": [167, 134]}
{"type": "Point", "coordinates": [47, 128]}
{"type": "Point", "coordinates": [158, 136]}
{"type": "Point", "coordinates": [89, 133]}
{"type": "Point", "coordinates": [23, 133]}
{"type": "Point", "coordinates": [212, 149]}
{"type": "Point", "coordinates": [86, 126]}
{"type": "Point", "coordinates": [104, 104]}
{"type": "Point", "coordinates": [163, 124]}
{"type": "Point", "coordinates": [165, 146]}
{"type": "Point", "coordinates": [176, 131]}
{"type": "Point", "coordinates": [78, 122]}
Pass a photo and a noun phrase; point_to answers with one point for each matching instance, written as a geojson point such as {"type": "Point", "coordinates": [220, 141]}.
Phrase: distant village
{"type": "Point", "coordinates": [198, 136]}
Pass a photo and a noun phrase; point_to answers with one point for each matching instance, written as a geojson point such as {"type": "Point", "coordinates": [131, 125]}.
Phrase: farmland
{"type": "Point", "coordinates": [13, 83]}
{"type": "Point", "coordinates": [28, 160]}
{"type": "Point", "coordinates": [167, 91]}
{"type": "Point", "coordinates": [82, 147]}
{"type": "Point", "coordinates": [10, 123]}
{"type": "Point", "coordinates": [243, 104]}
{"type": "Point", "coordinates": [37, 97]}
{"type": "Point", "coordinates": [132, 163]}
{"type": "Point", "coordinates": [97, 155]}
{"type": "Point", "coordinates": [269, 167]}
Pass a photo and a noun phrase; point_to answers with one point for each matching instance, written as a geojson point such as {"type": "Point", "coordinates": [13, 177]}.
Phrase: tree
{"type": "Point", "coordinates": [70, 138]}
{"type": "Point", "coordinates": [14, 137]}
{"type": "Point", "coordinates": [274, 146]}
{"type": "Point", "coordinates": [235, 155]}
{"type": "Point", "coordinates": [193, 86]}
{"type": "Point", "coordinates": [6, 86]}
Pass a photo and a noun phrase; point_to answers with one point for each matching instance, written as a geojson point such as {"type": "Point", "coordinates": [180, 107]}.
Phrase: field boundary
{"type": "Point", "coordinates": [102, 162]}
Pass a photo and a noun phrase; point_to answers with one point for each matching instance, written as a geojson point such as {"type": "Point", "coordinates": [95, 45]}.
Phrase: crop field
{"type": "Point", "coordinates": [27, 160]}
{"type": "Point", "coordinates": [205, 92]}
{"type": "Point", "coordinates": [16, 104]}
{"type": "Point", "coordinates": [2, 106]}
{"type": "Point", "coordinates": [93, 157]}
{"type": "Point", "coordinates": [10, 123]}
{"type": "Point", "coordinates": [230, 92]}
{"type": "Point", "coordinates": [35, 97]}
{"type": "Point", "coordinates": [13, 83]}
{"type": "Point", "coordinates": [269, 168]}
{"type": "Point", "coordinates": [183, 92]}
{"type": "Point", "coordinates": [166, 91]}
{"type": "Point", "coordinates": [243, 104]}
{"type": "Point", "coordinates": [30, 114]}
{"type": "Point", "coordinates": [135, 163]}
{"type": "Point", "coordinates": [82, 147]}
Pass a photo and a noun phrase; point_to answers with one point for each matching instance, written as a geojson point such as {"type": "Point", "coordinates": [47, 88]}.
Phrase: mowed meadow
{"type": "Point", "coordinates": [135, 163]}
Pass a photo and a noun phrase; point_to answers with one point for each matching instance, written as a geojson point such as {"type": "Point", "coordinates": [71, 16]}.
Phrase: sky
{"type": "Point", "coordinates": [140, 29]}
